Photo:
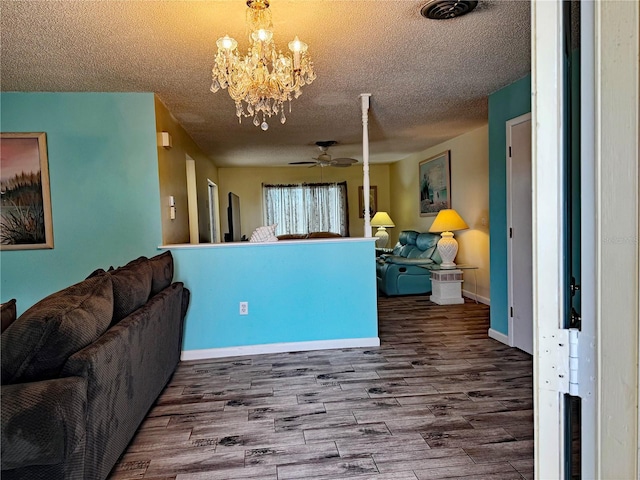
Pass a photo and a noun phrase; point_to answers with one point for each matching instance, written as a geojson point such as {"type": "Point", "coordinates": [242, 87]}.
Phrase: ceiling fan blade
{"type": "Point", "coordinates": [341, 165]}
{"type": "Point", "coordinates": [302, 163]}
{"type": "Point", "coordinates": [344, 161]}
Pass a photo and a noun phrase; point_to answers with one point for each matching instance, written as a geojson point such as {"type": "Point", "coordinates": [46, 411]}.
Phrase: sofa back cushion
{"type": "Point", "coordinates": [408, 237]}
{"type": "Point", "coordinates": [161, 271]}
{"type": "Point", "coordinates": [292, 236]}
{"type": "Point", "coordinates": [427, 240]}
{"type": "Point", "coordinates": [406, 250]}
{"type": "Point", "coordinates": [131, 287]}
{"type": "Point", "coordinates": [435, 256]}
{"type": "Point", "coordinates": [8, 312]}
{"type": "Point", "coordinates": [414, 253]}
{"type": "Point", "coordinates": [36, 346]}
{"type": "Point", "coordinates": [324, 235]}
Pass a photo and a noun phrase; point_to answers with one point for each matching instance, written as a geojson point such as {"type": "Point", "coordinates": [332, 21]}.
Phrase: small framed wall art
{"type": "Point", "coordinates": [434, 180]}
{"type": "Point", "coordinates": [25, 209]}
{"type": "Point", "coordinates": [373, 201]}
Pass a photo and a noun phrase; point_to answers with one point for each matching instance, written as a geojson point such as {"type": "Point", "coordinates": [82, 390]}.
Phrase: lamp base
{"type": "Point", "coordinates": [448, 249]}
{"type": "Point", "coordinates": [382, 237]}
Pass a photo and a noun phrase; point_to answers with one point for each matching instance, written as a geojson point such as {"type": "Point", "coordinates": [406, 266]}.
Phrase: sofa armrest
{"type": "Point", "coordinates": [398, 260]}
{"type": "Point", "coordinates": [43, 423]}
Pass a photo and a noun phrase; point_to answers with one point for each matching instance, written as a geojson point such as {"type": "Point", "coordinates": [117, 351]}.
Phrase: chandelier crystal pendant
{"type": "Point", "coordinates": [264, 79]}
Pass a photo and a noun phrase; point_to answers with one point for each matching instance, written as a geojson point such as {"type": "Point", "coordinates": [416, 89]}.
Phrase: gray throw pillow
{"type": "Point", "coordinates": [131, 287]}
{"type": "Point", "coordinates": [36, 346]}
{"type": "Point", "coordinates": [162, 271]}
{"type": "Point", "coordinates": [8, 312]}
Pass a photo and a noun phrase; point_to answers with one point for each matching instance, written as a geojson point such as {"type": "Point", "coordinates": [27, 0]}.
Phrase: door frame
{"type": "Point", "coordinates": [547, 145]}
{"type": "Point", "coordinates": [616, 269]}
{"type": "Point", "coordinates": [214, 211]}
{"type": "Point", "coordinates": [509, 125]}
{"type": "Point", "coordinates": [192, 200]}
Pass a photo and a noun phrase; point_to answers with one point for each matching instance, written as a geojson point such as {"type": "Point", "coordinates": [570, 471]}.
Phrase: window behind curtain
{"type": "Point", "coordinates": [307, 207]}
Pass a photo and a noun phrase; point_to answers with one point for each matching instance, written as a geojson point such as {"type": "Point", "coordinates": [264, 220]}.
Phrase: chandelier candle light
{"type": "Point", "coordinates": [382, 220]}
{"type": "Point", "coordinates": [264, 79]}
{"type": "Point", "coordinates": [445, 223]}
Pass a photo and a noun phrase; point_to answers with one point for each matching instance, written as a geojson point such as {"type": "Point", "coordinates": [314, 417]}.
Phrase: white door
{"type": "Point", "coordinates": [519, 231]}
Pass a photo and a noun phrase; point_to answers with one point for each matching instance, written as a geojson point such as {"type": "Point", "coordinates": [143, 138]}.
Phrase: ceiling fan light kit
{"type": "Point", "coordinates": [446, 9]}
{"type": "Point", "coordinates": [264, 79]}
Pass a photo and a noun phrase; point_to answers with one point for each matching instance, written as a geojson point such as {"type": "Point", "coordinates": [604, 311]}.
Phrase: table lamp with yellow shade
{"type": "Point", "coordinates": [445, 224]}
{"type": "Point", "coordinates": [382, 220]}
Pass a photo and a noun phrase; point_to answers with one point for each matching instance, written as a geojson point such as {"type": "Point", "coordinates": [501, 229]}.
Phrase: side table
{"type": "Point", "coordinates": [446, 287]}
{"type": "Point", "coordinates": [446, 284]}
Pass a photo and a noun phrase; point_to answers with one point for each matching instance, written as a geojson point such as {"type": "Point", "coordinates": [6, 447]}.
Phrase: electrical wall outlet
{"type": "Point", "coordinates": [244, 308]}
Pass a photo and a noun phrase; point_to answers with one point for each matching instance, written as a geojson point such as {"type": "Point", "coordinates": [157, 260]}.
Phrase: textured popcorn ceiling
{"type": "Point", "coordinates": [429, 79]}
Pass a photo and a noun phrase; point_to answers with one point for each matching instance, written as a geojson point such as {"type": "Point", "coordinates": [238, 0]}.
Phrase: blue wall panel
{"type": "Point", "coordinates": [510, 102]}
{"type": "Point", "coordinates": [297, 292]}
{"type": "Point", "coordinates": [103, 167]}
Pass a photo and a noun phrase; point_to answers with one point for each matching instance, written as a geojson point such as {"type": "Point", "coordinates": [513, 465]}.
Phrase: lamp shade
{"type": "Point", "coordinates": [447, 220]}
{"type": "Point", "coordinates": [382, 219]}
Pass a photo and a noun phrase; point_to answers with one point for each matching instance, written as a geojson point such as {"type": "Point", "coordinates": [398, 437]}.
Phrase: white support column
{"type": "Point", "coordinates": [365, 163]}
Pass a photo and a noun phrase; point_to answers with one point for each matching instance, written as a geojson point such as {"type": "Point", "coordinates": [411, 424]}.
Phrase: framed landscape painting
{"type": "Point", "coordinates": [25, 208]}
{"type": "Point", "coordinates": [435, 184]}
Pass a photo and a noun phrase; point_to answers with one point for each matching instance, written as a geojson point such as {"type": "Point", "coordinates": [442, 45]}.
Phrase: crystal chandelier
{"type": "Point", "coordinates": [263, 80]}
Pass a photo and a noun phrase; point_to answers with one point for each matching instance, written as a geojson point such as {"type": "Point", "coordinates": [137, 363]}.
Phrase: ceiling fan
{"type": "Point", "coordinates": [324, 159]}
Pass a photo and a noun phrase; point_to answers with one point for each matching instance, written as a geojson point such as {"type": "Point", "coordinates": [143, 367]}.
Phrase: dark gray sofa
{"type": "Point", "coordinates": [82, 367]}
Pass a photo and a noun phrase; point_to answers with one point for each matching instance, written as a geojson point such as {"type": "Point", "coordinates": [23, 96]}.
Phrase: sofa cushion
{"type": "Point", "coordinates": [407, 237]}
{"type": "Point", "coordinates": [406, 250]}
{"type": "Point", "coordinates": [414, 253]}
{"type": "Point", "coordinates": [8, 312]}
{"type": "Point", "coordinates": [97, 271]}
{"type": "Point", "coordinates": [131, 287]}
{"type": "Point", "coordinates": [292, 236]}
{"type": "Point", "coordinates": [435, 256]}
{"type": "Point", "coordinates": [408, 261]}
{"type": "Point", "coordinates": [426, 240]}
{"type": "Point", "coordinates": [324, 235]}
{"type": "Point", "coordinates": [38, 343]}
{"type": "Point", "coordinates": [162, 272]}
{"type": "Point", "coordinates": [412, 235]}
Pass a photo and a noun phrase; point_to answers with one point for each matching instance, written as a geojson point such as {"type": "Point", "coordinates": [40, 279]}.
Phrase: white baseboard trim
{"type": "Point", "coordinates": [279, 348]}
{"type": "Point", "coordinates": [478, 298]}
{"type": "Point", "coordinates": [501, 337]}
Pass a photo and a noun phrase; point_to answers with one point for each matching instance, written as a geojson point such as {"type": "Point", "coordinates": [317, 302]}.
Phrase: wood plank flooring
{"type": "Point", "coordinates": [438, 399]}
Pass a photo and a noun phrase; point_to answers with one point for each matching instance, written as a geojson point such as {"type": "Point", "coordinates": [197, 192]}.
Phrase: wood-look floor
{"type": "Point", "coordinates": [438, 399]}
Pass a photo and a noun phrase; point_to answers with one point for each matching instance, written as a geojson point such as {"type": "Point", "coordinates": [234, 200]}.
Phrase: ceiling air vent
{"type": "Point", "coordinates": [444, 9]}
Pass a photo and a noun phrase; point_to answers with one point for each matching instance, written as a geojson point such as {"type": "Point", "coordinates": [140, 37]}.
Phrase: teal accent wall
{"type": "Point", "coordinates": [297, 292]}
{"type": "Point", "coordinates": [103, 167]}
{"type": "Point", "coordinates": [510, 102]}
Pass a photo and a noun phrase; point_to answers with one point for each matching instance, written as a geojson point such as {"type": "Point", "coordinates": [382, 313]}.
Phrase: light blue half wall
{"type": "Point", "coordinates": [510, 102]}
{"type": "Point", "coordinates": [103, 168]}
{"type": "Point", "coordinates": [305, 291]}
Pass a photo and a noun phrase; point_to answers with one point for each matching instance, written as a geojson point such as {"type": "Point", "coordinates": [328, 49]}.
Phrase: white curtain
{"type": "Point", "coordinates": [307, 207]}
